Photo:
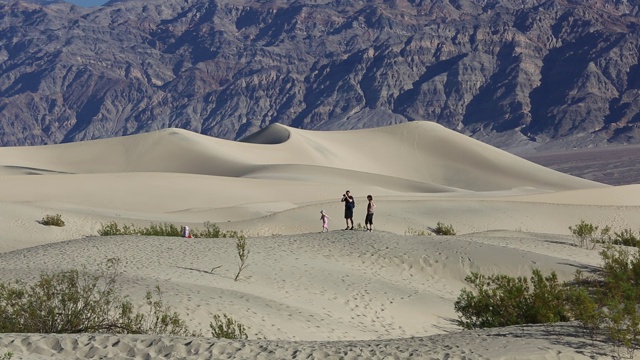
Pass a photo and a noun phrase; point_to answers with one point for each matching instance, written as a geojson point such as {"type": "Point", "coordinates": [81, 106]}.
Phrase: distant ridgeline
{"type": "Point", "coordinates": [511, 73]}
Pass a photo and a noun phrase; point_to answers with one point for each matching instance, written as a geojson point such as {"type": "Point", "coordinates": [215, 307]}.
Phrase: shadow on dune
{"type": "Point", "coordinates": [271, 135]}
{"type": "Point", "coordinates": [583, 267]}
{"type": "Point", "coordinates": [199, 270]}
{"type": "Point", "coordinates": [569, 335]}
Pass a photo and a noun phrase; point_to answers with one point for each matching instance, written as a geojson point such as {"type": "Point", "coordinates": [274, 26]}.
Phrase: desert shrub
{"type": "Point", "coordinates": [210, 230]}
{"type": "Point", "coordinates": [165, 229]}
{"type": "Point", "coordinates": [619, 295]}
{"type": "Point", "coordinates": [52, 220]}
{"type": "Point", "coordinates": [442, 229]}
{"type": "Point", "coordinates": [501, 300]}
{"type": "Point", "coordinates": [582, 304]}
{"type": "Point", "coordinates": [77, 302]}
{"type": "Point", "coordinates": [623, 326]}
{"type": "Point", "coordinates": [112, 228]}
{"type": "Point", "coordinates": [587, 234]}
{"type": "Point", "coordinates": [226, 327]}
{"type": "Point", "coordinates": [604, 303]}
{"type": "Point", "coordinates": [620, 274]}
{"type": "Point", "coordinates": [243, 254]}
{"type": "Point", "coordinates": [416, 232]}
{"type": "Point", "coordinates": [6, 356]}
{"type": "Point", "coordinates": [626, 237]}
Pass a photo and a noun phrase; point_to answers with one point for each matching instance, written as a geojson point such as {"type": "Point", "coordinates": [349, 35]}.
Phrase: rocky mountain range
{"type": "Point", "coordinates": [517, 74]}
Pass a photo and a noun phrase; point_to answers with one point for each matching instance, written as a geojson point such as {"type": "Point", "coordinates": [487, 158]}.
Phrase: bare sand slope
{"type": "Point", "coordinates": [347, 286]}
{"type": "Point", "coordinates": [342, 294]}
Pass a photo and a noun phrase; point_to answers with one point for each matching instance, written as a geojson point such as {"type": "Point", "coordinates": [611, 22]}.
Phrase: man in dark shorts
{"type": "Point", "coordinates": [348, 201]}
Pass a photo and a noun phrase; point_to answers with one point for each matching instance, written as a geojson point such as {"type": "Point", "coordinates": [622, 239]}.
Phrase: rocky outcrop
{"type": "Point", "coordinates": [513, 73]}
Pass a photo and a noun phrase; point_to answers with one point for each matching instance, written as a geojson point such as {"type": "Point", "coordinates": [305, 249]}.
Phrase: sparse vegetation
{"type": "Point", "coordinates": [227, 328]}
{"type": "Point", "coordinates": [500, 300]}
{"type": "Point", "coordinates": [52, 220]}
{"type": "Point", "coordinates": [164, 229]}
{"type": "Point", "coordinates": [416, 232]}
{"type": "Point", "coordinates": [442, 229]}
{"type": "Point", "coordinates": [587, 234]}
{"type": "Point", "coordinates": [605, 303]}
{"type": "Point", "coordinates": [6, 356]}
{"type": "Point", "coordinates": [243, 254]}
{"type": "Point", "coordinates": [75, 301]}
{"type": "Point", "coordinates": [626, 237]}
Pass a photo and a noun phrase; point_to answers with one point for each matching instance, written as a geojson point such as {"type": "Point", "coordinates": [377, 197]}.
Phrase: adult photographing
{"type": "Point", "coordinates": [349, 204]}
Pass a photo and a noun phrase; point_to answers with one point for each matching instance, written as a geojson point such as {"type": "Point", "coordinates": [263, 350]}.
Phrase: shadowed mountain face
{"type": "Point", "coordinates": [513, 73]}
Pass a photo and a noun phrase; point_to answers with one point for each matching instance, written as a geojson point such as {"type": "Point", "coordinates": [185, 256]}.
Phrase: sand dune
{"type": "Point", "coordinates": [305, 295]}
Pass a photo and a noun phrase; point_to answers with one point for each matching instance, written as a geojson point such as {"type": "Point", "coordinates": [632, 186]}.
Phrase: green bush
{"type": "Point", "coordinates": [6, 356]}
{"type": "Point", "coordinates": [78, 302]}
{"type": "Point", "coordinates": [163, 229]}
{"type": "Point", "coordinates": [227, 328]}
{"type": "Point", "coordinates": [501, 300]}
{"type": "Point", "coordinates": [619, 295]}
{"type": "Point", "coordinates": [416, 232]}
{"type": "Point", "coordinates": [587, 234]}
{"type": "Point", "coordinates": [626, 237]}
{"type": "Point", "coordinates": [112, 228]}
{"type": "Point", "coordinates": [442, 229]}
{"type": "Point", "coordinates": [211, 230]}
{"type": "Point", "coordinates": [605, 303]}
{"type": "Point", "coordinates": [582, 304]}
{"type": "Point", "coordinates": [52, 220]}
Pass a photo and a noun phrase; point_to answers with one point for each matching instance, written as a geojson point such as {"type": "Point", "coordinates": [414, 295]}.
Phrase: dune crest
{"type": "Point", "coordinates": [418, 151]}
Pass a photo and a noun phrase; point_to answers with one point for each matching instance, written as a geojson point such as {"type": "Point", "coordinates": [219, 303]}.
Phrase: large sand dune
{"type": "Point", "coordinates": [305, 295]}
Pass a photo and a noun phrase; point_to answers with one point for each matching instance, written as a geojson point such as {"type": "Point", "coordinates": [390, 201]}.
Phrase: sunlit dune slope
{"type": "Point", "coordinates": [428, 155]}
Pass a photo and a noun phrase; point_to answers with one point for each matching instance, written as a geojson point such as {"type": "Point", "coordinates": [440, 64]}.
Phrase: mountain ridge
{"type": "Point", "coordinates": [514, 74]}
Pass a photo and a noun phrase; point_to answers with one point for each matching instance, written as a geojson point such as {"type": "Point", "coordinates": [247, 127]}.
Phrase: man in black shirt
{"type": "Point", "coordinates": [348, 201]}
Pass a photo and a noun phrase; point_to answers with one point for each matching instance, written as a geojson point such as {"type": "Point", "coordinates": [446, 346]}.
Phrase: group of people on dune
{"type": "Point", "coordinates": [349, 205]}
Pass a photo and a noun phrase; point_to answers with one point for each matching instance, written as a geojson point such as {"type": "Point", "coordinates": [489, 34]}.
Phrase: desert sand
{"type": "Point", "coordinates": [337, 295]}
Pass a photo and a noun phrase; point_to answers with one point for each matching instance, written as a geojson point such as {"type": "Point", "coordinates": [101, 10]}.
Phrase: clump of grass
{"type": "Point", "coordinates": [442, 229]}
{"type": "Point", "coordinates": [52, 220]}
{"type": "Point", "coordinates": [6, 356]}
{"type": "Point", "coordinates": [226, 327]}
{"type": "Point", "coordinates": [416, 232]}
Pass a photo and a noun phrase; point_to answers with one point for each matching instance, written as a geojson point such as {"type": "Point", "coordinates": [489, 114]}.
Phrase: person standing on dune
{"type": "Point", "coordinates": [349, 204]}
{"type": "Point", "coordinates": [368, 220]}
